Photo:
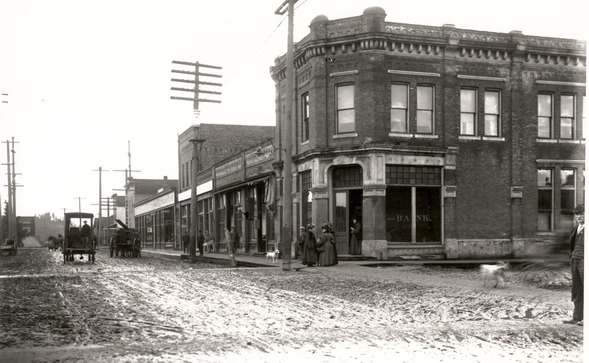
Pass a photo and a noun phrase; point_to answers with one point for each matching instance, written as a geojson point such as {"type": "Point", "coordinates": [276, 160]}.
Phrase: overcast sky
{"type": "Point", "coordinates": [85, 78]}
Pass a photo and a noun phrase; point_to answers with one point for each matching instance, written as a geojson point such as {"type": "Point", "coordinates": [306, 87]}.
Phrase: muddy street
{"type": "Point", "coordinates": [160, 310]}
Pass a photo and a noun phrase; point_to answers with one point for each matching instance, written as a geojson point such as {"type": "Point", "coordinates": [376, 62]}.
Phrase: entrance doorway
{"type": "Point", "coordinates": [348, 206]}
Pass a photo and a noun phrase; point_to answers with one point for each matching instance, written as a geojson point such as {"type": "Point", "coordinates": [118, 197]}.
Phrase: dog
{"type": "Point", "coordinates": [272, 256]}
{"type": "Point", "coordinates": [494, 272]}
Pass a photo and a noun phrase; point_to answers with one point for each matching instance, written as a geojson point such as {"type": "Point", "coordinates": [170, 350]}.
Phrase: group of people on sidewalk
{"type": "Point", "coordinates": [320, 252]}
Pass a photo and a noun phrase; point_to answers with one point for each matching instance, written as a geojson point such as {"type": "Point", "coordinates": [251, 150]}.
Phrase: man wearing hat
{"type": "Point", "coordinates": [577, 244]}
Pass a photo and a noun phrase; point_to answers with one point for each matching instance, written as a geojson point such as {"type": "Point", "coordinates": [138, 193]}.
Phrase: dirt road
{"type": "Point", "coordinates": [159, 310]}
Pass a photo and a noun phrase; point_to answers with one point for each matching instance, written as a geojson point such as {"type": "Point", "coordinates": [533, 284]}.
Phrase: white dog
{"type": "Point", "coordinates": [494, 272]}
{"type": "Point", "coordinates": [272, 256]}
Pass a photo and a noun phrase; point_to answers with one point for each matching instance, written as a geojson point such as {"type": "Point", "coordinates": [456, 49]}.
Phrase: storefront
{"type": "Point", "coordinates": [154, 219]}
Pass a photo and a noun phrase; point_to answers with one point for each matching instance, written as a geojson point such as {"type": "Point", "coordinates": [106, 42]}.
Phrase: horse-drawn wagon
{"type": "Point", "coordinates": [125, 241]}
{"type": "Point", "coordinates": [78, 236]}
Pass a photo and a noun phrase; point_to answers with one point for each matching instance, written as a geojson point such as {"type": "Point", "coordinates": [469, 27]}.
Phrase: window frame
{"type": "Point", "coordinates": [401, 109]}
{"type": "Point", "coordinates": [572, 118]}
{"type": "Point", "coordinates": [497, 114]}
{"type": "Point", "coordinates": [549, 116]}
{"type": "Point", "coordinates": [432, 110]}
{"type": "Point", "coordinates": [340, 110]}
{"type": "Point", "coordinates": [305, 110]}
{"type": "Point", "coordinates": [473, 113]}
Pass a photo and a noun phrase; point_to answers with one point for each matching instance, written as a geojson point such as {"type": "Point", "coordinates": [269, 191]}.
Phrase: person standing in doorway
{"type": "Point", "coordinates": [577, 244]}
{"type": "Point", "coordinates": [356, 237]}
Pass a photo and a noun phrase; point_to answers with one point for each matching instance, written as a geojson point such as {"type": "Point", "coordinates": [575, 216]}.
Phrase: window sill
{"type": "Point", "coordinates": [345, 136]}
{"type": "Point", "coordinates": [399, 134]}
{"type": "Point", "coordinates": [466, 137]}
{"type": "Point", "coordinates": [568, 141]}
{"type": "Point", "coordinates": [493, 138]}
{"type": "Point", "coordinates": [425, 136]}
{"type": "Point", "coordinates": [305, 143]}
{"type": "Point", "coordinates": [547, 141]}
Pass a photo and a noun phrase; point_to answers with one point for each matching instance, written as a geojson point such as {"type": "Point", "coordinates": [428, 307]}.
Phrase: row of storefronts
{"type": "Point", "coordinates": [440, 141]}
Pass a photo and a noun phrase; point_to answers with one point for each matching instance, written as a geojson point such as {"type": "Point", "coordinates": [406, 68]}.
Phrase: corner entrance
{"type": "Point", "coordinates": [348, 194]}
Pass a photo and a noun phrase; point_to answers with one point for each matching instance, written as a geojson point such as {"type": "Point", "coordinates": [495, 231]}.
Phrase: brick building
{"type": "Point", "coordinates": [225, 189]}
{"type": "Point", "coordinates": [441, 141]}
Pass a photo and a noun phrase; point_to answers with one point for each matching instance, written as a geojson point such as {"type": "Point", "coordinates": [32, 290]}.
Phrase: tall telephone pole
{"type": "Point", "coordinates": [196, 99]}
{"type": "Point", "coordinates": [11, 172]}
{"type": "Point", "coordinates": [196, 142]}
{"type": "Point", "coordinates": [98, 229]}
{"type": "Point", "coordinates": [287, 124]}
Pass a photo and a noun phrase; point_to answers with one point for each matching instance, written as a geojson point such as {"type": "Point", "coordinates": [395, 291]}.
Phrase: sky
{"type": "Point", "coordinates": [88, 81]}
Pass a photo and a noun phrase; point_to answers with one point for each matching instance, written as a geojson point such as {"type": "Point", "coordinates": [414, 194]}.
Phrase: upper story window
{"type": "Point", "coordinates": [567, 116]}
{"type": "Point", "coordinates": [492, 113]}
{"type": "Point", "coordinates": [305, 116]}
{"type": "Point", "coordinates": [346, 114]}
{"type": "Point", "coordinates": [399, 108]}
{"type": "Point", "coordinates": [401, 120]}
{"type": "Point", "coordinates": [545, 116]}
{"type": "Point", "coordinates": [425, 110]}
{"type": "Point", "coordinates": [468, 112]}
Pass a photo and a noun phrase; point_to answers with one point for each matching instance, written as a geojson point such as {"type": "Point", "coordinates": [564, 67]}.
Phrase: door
{"type": "Point", "coordinates": [348, 205]}
{"type": "Point", "coordinates": [341, 224]}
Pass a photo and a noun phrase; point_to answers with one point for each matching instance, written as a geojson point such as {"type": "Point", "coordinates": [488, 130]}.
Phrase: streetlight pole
{"type": "Point", "coordinates": [287, 139]}
{"type": "Point", "coordinates": [196, 142]}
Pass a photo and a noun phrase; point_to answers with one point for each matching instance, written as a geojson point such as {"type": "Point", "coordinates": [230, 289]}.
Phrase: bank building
{"type": "Point", "coordinates": [443, 142]}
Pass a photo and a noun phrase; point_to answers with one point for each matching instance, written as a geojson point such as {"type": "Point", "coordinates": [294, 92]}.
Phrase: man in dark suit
{"type": "Point", "coordinates": [577, 244]}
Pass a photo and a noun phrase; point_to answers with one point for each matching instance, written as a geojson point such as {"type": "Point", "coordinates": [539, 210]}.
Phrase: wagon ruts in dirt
{"type": "Point", "coordinates": [125, 242]}
{"type": "Point", "coordinates": [78, 237]}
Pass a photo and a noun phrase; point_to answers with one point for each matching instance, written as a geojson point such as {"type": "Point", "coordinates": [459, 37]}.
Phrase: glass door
{"type": "Point", "coordinates": [341, 225]}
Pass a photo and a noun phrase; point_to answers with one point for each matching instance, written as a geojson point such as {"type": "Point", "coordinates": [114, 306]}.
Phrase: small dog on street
{"type": "Point", "coordinates": [494, 273]}
{"type": "Point", "coordinates": [272, 256]}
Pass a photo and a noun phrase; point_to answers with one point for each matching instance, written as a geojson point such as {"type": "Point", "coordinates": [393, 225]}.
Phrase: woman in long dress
{"type": "Point", "coordinates": [356, 238]}
{"type": "Point", "coordinates": [326, 248]}
{"type": "Point", "coordinates": [309, 257]}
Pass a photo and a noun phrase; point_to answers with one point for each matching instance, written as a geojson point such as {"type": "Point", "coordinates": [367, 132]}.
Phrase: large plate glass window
{"type": "Point", "coordinates": [545, 198]}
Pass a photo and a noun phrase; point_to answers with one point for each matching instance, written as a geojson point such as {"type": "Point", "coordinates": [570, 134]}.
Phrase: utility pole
{"type": "Point", "coordinates": [11, 216]}
{"type": "Point", "coordinates": [98, 229]}
{"type": "Point", "coordinates": [196, 142]}
{"type": "Point", "coordinates": [287, 124]}
{"type": "Point", "coordinates": [79, 204]}
{"type": "Point", "coordinates": [196, 145]}
{"type": "Point", "coordinates": [196, 99]}
{"type": "Point", "coordinates": [127, 182]}
{"type": "Point", "coordinates": [9, 201]}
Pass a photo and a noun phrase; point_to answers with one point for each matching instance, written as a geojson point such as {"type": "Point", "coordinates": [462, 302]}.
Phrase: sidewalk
{"type": "Point", "coordinates": [244, 260]}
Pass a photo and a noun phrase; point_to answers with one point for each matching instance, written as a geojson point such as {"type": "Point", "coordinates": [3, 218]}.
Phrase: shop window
{"type": "Point", "coordinates": [567, 198]}
{"type": "Point", "coordinates": [307, 198]}
{"type": "Point", "coordinates": [545, 199]}
{"type": "Point", "coordinates": [492, 112]}
{"type": "Point", "coordinates": [413, 204]}
{"type": "Point", "coordinates": [468, 112]}
{"type": "Point", "coordinates": [544, 116]}
{"type": "Point", "coordinates": [346, 114]}
{"type": "Point", "coordinates": [413, 175]}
